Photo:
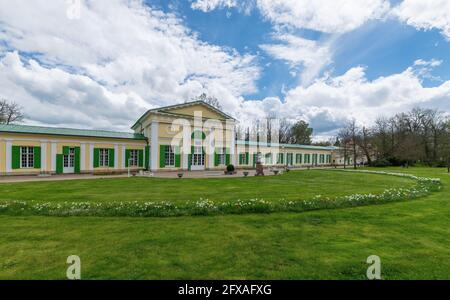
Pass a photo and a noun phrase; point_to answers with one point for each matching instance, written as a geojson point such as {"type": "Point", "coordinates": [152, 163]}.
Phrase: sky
{"type": "Point", "coordinates": [101, 64]}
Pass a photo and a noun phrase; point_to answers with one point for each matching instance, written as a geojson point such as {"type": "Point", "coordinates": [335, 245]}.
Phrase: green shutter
{"type": "Point", "coordinates": [111, 158]}
{"type": "Point", "coordinates": [162, 156]}
{"type": "Point", "coordinates": [96, 157]}
{"type": "Point", "coordinates": [37, 157]}
{"type": "Point", "coordinates": [190, 158]}
{"type": "Point", "coordinates": [177, 157]}
{"type": "Point", "coordinates": [216, 159]}
{"type": "Point", "coordinates": [141, 158]}
{"type": "Point", "coordinates": [59, 163]}
{"type": "Point", "coordinates": [15, 163]}
{"type": "Point", "coordinates": [147, 157]}
{"type": "Point", "coordinates": [127, 158]}
{"type": "Point", "coordinates": [77, 160]}
{"type": "Point", "coordinates": [66, 150]}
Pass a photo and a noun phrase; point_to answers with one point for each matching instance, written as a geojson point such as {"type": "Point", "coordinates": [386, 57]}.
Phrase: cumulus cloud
{"type": "Point", "coordinates": [336, 16]}
{"type": "Point", "coordinates": [425, 15]}
{"type": "Point", "coordinates": [297, 51]}
{"type": "Point", "coordinates": [118, 47]}
{"type": "Point", "coordinates": [330, 101]}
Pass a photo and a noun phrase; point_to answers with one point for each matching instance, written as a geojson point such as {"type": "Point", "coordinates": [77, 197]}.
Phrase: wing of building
{"type": "Point", "coordinates": [189, 136]}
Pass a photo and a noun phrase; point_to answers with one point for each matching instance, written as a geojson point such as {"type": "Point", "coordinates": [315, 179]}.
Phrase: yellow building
{"type": "Point", "coordinates": [190, 136]}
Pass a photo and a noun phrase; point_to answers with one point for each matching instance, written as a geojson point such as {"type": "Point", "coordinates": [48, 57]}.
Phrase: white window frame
{"type": "Point", "coordinates": [198, 158]}
{"type": "Point", "coordinates": [222, 156]}
{"type": "Point", "coordinates": [169, 157]}
{"type": "Point", "coordinates": [134, 158]}
{"type": "Point", "coordinates": [26, 157]}
{"type": "Point", "coordinates": [104, 158]}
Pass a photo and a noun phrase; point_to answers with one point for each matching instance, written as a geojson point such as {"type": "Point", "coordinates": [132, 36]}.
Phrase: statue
{"type": "Point", "coordinates": [259, 169]}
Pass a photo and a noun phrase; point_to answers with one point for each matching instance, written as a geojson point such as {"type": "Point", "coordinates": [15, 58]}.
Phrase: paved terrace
{"type": "Point", "coordinates": [160, 174]}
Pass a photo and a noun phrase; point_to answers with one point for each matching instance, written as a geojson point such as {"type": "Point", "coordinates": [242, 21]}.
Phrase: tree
{"type": "Point", "coordinates": [213, 101]}
{"type": "Point", "coordinates": [365, 145]}
{"type": "Point", "coordinates": [301, 133]}
{"type": "Point", "coordinates": [10, 112]}
{"type": "Point", "coordinates": [344, 137]}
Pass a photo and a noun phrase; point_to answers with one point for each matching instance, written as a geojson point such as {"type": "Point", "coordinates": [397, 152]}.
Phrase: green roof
{"type": "Point", "coordinates": [70, 132]}
{"type": "Point", "coordinates": [308, 147]}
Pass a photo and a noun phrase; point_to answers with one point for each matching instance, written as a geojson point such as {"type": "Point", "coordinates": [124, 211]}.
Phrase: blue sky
{"type": "Point", "coordinates": [96, 64]}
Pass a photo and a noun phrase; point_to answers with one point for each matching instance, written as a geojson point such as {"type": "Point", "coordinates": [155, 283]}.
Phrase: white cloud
{"type": "Point", "coordinates": [335, 16]}
{"type": "Point", "coordinates": [209, 5]}
{"type": "Point", "coordinates": [297, 51]}
{"type": "Point", "coordinates": [117, 48]}
{"type": "Point", "coordinates": [425, 15]}
{"type": "Point", "coordinates": [330, 101]}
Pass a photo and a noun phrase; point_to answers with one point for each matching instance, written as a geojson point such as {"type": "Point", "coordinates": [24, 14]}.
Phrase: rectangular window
{"type": "Point", "coordinates": [133, 160]}
{"type": "Point", "coordinates": [268, 158]}
{"type": "Point", "coordinates": [198, 159]}
{"type": "Point", "coordinates": [298, 158]}
{"type": "Point", "coordinates": [280, 159]}
{"type": "Point", "coordinates": [307, 158]}
{"type": "Point", "coordinates": [322, 158]}
{"type": "Point", "coordinates": [104, 157]}
{"type": "Point", "coordinates": [27, 157]}
{"type": "Point", "coordinates": [221, 156]}
{"type": "Point", "coordinates": [170, 156]}
{"type": "Point", "coordinates": [243, 159]}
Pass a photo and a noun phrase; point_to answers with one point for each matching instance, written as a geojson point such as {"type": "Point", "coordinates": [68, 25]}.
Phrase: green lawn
{"type": "Point", "coordinates": [412, 239]}
{"type": "Point", "coordinates": [296, 185]}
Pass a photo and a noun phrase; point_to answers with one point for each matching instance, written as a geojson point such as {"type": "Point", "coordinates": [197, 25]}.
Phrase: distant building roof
{"type": "Point", "coordinates": [70, 132]}
{"type": "Point", "coordinates": [309, 147]}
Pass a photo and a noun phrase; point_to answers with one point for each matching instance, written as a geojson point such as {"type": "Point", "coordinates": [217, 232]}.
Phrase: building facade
{"type": "Point", "coordinates": [191, 136]}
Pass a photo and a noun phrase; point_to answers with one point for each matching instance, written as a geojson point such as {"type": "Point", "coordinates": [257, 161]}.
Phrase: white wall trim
{"type": "Point", "coordinates": [154, 145]}
{"type": "Point", "coordinates": [91, 157]}
{"type": "Point", "coordinates": [43, 156]}
{"type": "Point", "coordinates": [8, 156]}
{"type": "Point", "coordinates": [83, 157]}
{"type": "Point", "coordinates": [124, 148]}
{"type": "Point", "coordinates": [116, 156]}
{"type": "Point", "coordinates": [53, 155]}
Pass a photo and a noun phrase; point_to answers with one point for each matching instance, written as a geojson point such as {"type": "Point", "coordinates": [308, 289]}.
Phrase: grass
{"type": "Point", "coordinates": [295, 185]}
{"type": "Point", "coordinates": [412, 239]}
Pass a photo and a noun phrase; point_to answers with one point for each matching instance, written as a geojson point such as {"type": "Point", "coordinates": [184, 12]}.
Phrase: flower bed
{"type": "Point", "coordinates": [423, 187]}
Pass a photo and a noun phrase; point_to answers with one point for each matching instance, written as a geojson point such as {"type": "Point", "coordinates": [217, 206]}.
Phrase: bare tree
{"type": "Point", "coordinates": [10, 112]}
{"type": "Point", "coordinates": [344, 137]}
{"type": "Point", "coordinates": [365, 144]}
{"type": "Point", "coordinates": [211, 100]}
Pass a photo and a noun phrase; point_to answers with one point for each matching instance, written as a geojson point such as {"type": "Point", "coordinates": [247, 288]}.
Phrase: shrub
{"type": "Point", "coordinates": [230, 168]}
{"type": "Point", "coordinates": [381, 163]}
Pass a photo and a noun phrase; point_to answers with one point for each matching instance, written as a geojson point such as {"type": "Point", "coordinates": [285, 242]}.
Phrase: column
{"type": "Point", "coordinates": [211, 151]}
{"type": "Point", "coordinates": [8, 156]}
{"type": "Point", "coordinates": [43, 156]}
{"type": "Point", "coordinates": [124, 149]}
{"type": "Point", "coordinates": [116, 156]}
{"type": "Point", "coordinates": [233, 146]}
{"type": "Point", "coordinates": [154, 145]}
{"type": "Point", "coordinates": [53, 155]}
{"type": "Point", "coordinates": [83, 157]}
{"type": "Point", "coordinates": [91, 157]}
